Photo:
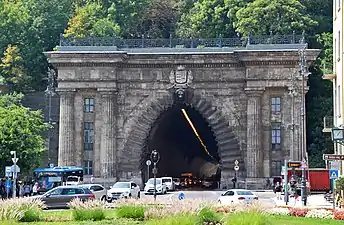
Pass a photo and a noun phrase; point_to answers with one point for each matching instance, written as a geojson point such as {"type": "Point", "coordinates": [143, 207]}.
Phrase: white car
{"type": "Point", "coordinates": [160, 186]}
{"type": "Point", "coordinates": [73, 181]}
{"type": "Point", "coordinates": [235, 196]}
{"type": "Point", "coordinates": [98, 190]}
{"type": "Point", "coordinates": [123, 190]}
{"type": "Point", "coordinates": [169, 183]}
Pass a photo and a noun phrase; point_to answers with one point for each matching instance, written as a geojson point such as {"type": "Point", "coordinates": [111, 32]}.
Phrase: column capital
{"type": "Point", "coordinates": [107, 91]}
{"type": "Point", "coordinates": [254, 91]}
{"type": "Point", "coordinates": [65, 91]}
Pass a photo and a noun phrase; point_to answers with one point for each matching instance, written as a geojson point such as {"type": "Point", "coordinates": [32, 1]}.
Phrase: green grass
{"type": "Point", "coordinates": [66, 215]}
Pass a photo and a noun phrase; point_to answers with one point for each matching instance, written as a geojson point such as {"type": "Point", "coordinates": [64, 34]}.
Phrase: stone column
{"type": "Point", "coordinates": [108, 138]}
{"type": "Point", "coordinates": [66, 128]}
{"type": "Point", "coordinates": [254, 133]}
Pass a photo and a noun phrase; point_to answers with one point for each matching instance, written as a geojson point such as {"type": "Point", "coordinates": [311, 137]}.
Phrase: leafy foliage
{"type": "Point", "coordinates": [20, 131]}
{"type": "Point", "coordinates": [276, 16]}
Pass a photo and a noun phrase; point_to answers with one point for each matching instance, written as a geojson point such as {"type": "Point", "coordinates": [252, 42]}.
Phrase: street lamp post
{"type": "Point", "coordinates": [155, 157]}
{"type": "Point", "coordinates": [50, 91]}
{"type": "Point", "coordinates": [14, 159]}
{"type": "Point", "coordinates": [303, 73]}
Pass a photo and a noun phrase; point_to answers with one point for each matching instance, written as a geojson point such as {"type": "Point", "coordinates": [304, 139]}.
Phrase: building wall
{"type": "Point", "coordinates": [233, 91]}
{"type": "Point", "coordinates": [338, 82]}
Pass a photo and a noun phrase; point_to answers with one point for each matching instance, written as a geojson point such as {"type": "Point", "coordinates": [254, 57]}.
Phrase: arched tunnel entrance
{"type": "Point", "coordinates": [185, 153]}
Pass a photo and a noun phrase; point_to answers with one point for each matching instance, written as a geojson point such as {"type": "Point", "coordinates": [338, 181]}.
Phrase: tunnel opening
{"type": "Point", "coordinates": [187, 147]}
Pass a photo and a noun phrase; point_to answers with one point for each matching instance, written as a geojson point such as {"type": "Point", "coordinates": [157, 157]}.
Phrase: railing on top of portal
{"type": "Point", "coordinates": [184, 42]}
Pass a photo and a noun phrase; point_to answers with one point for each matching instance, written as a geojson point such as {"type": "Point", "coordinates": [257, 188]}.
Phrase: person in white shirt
{"type": "Point", "coordinates": [35, 189]}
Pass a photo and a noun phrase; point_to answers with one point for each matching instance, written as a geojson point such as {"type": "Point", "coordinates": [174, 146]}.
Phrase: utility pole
{"type": "Point", "coordinates": [303, 73]}
{"type": "Point", "coordinates": [14, 159]}
{"type": "Point", "coordinates": [49, 92]}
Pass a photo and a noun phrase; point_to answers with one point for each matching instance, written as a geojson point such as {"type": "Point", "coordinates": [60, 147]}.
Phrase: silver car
{"type": "Point", "coordinates": [98, 190]}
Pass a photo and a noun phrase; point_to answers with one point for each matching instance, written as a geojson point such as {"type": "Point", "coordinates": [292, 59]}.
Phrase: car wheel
{"type": "Point", "coordinates": [109, 200]}
{"type": "Point", "coordinates": [138, 195]}
{"type": "Point", "coordinates": [129, 195]}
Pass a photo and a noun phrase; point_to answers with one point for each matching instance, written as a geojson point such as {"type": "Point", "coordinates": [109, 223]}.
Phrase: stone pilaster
{"type": "Point", "coordinates": [66, 128]}
{"type": "Point", "coordinates": [108, 137]}
{"type": "Point", "coordinates": [254, 133]}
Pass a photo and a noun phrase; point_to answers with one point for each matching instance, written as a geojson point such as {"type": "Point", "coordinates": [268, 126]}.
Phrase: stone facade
{"type": "Point", "coordinates": [232, 90]}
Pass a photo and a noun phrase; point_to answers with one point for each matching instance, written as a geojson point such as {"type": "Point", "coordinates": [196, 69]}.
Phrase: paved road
{"type": "Point", "coordinates": [264, 197]}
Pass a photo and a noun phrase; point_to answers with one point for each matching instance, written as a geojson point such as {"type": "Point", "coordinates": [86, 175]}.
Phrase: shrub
{"type": "Point", "coordinates": [247, 218]}
{"type": "Point", "coordinates": [319, 213]}
{"type": "Point", "coordinates": [299, 212]}
{"type": "Point", "coordinates": [208, 215]}
{"type": "Point", "coordinates": [131, 211]}
{"type": "Point", "coordinates": [338, 214]}
{"type": "Point", "coordinates": [21, 209]}
{"type": "Point", "coordinates": [174, 220]}
{"type": "Point", "coordinates": [87, 210]}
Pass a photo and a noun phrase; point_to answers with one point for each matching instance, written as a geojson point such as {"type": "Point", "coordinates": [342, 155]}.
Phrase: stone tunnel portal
{"type": "Point", "coordinates": [181, 151]}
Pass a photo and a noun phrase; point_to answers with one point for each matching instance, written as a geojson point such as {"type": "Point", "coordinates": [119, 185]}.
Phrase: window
{"type": "Point", "coordinates": [339, 102]}
{"type": "Point", "coordinates": [88, 167]}
{"type": "Point", "coordinates": [276, 135]}
{"type": "Point", "coordinates": [276, 104]}
{"type": "Point", "coordinates": [96, 188]}
{"type": "Point", "coordinates": [89, 105]}
{"type": "Point", "coordinates": [339, 38]}
{"type": "Point", "coordinates": [276, 168]}
{"type": "Point", "coordinates": [229, 193]}
{"type": "Point", "coordinates": [88, 136]}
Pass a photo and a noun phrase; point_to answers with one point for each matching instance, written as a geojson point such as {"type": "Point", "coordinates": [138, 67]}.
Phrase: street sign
{"type": "Point", "coordinates": [51, 165]}
{"type": "Point", "coordinates": [236, 162]}
{"type": "Point", "coordinates": [333, 157]}
{"type": "Point", "coordinates": [181, 196]}
{"type": "Point", "coordinates": [335, 165]}
{"type": "Point", "coordinates": [333, 174]}
{"type": "Point", "coordinates": [295, 164]}
{"type": "Point", "coordinates": [17, 169]}
{"type": "Point", "coordinates": [236, 168]}
{"type": "Point", "coordinates": [148, 162]}
{"type": "Point", "coordinates": [14, 160]}
{"type": "Point", "coordinates": [8, 171]}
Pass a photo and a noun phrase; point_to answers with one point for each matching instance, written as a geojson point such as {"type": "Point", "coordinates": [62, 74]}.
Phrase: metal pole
{"type": "Point", "coordinates": [154, 181]}
{"type": "Point", "coordinates": [286, 192]}
{"type": "Point", "coordinates": [147, 172]}
{"type": "Point", "coordinates": [14, 175]}
{"type": "Point", "coordinates": [292, 118]}
{"type": "Point", "coordinates": [334, 193]}
{"type": "Point", "coordinates": [303, 179]}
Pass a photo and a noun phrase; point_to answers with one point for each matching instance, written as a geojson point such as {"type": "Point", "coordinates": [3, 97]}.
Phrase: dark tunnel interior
{"type": "Point", "coordinates": [179, 148]}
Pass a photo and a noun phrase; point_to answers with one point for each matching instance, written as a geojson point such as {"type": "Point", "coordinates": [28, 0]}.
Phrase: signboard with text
{"type": "Point", "coordinates": [295, 164]}
{"type": "Point", "coordinates": [333, 157]}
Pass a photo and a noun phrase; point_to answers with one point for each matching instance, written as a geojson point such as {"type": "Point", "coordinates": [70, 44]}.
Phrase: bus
{"type": "Point", "coordinates": [49, 178]}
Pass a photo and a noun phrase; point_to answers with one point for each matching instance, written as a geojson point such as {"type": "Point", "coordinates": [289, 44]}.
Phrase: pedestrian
{"type": "Point", "coordinates": [268, 185]}
{"type": "Point", "coordinates": [35, 189]}
{"type": "Point", "coordinates": [278, 190]}
{"type": "Point", "coordinates": [27, 190]}
{"type": "Point", "coordinates": [92, 179]}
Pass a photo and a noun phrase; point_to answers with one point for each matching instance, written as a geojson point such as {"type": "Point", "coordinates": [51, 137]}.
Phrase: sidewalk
{"type": "Point", "coordinates": [313, 201]}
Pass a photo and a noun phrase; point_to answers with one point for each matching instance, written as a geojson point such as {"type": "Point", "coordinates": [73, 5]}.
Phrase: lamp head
{"type": "Point", "coordinates": [13, 152]}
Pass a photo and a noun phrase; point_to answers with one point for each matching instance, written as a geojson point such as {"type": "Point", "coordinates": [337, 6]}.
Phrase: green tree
{"type": "Point", "coordinates": [207, 19]}
{"type": "Point", "coordinates": [320, 11]}
{"type": "Point", "coordinates": [12, 69]}
{"type": "Point", "coordinates": [276, 16]}
{"type": "Point", "coordinates": [20, 131]}
{"type": "Point", "coordinates": [89, 20]}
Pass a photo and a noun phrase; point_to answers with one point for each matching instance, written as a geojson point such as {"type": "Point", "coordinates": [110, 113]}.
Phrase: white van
{"type": "Point", "coordinates": [169, 183]}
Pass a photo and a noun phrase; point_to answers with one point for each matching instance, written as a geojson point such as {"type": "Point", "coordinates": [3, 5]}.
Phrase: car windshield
{"type": "Point", "coordinates": [151, 181]}
{"type": "Point", "coordinates": [121, 185]}
{"type": "Point", "coordinates": [244, 193]}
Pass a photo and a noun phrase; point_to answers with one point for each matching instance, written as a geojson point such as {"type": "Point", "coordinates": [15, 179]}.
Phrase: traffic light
{"type": "Point", "coordinates": [155, 156]}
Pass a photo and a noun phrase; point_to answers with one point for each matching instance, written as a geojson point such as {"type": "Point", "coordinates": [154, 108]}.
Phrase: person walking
{"type": "Point", "coordinates": [27, 190]}
{"type": "Point", "coordinates": [278, 190]}
{"type": "Point", "coordinates": [35, 189]}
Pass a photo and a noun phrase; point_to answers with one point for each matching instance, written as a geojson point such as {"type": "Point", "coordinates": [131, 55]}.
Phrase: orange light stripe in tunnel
{"type": "Point", "coordinates": [196, 133]}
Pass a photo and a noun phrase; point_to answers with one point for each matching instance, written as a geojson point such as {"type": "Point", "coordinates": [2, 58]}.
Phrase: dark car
{"type": "Point", "coordinates": [59, 197]}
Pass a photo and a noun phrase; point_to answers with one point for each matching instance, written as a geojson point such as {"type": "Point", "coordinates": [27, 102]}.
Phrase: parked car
{"type": "Point", "coordinates": [207, 183]}
{"type": "Point", "coordinates": [59, 197]}
{"type": "Point", "coordinates": [73, 180]}
{"type": "Point", "coordinates": [98, 190]}
{"type": "Point", "coordinates": [169, 183]}
{"type": "Point", "coordinates": [235, 196]}
{"type": "Point", "coordinates": [123, 190]}
{"type": "Point", "coordinates": [160, 186]}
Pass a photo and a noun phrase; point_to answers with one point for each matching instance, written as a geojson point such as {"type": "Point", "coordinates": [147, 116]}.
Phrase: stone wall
{"type": "Point", "coordinates": [232, 90]}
